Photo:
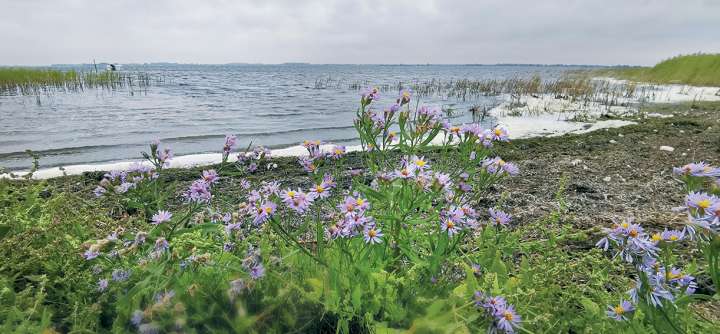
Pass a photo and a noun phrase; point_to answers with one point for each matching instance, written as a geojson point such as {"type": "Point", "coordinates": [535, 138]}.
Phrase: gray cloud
{"type": "Point", "coordinates": [346, 31]}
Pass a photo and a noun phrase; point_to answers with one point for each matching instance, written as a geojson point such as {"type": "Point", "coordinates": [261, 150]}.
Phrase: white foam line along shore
{"type": "Point", "coordinates": [546, 116]}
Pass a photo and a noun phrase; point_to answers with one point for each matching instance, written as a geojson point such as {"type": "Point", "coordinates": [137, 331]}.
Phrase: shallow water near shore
{"type": "Point", "coordinates": [272, 105]}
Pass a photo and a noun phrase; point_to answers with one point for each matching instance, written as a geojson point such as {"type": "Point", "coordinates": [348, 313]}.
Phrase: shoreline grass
{"type": "Point", "coordinates": [35, 81]}
{"type": "Point", "coordinates": [696, 69]}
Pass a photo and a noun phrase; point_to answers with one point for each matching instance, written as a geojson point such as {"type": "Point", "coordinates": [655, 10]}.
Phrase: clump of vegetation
{"type": "Point", "coordinates": [34, 81]}
{"type": "Point", "coordinates": [399, 237]}
{"type": "Point", "coordinates": [697, 69]}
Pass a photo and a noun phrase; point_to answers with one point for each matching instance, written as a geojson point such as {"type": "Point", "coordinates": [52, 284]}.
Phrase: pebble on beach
{"type": "Point", "coordinates": [667, 148]}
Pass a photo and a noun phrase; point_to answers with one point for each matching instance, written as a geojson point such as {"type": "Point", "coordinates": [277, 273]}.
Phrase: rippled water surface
{"type": "Point", "coordinates": [271, 105]}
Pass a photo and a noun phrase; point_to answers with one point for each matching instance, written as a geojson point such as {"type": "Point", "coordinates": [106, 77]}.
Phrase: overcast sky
{"type": "Point", "coordinates": [38, 32]}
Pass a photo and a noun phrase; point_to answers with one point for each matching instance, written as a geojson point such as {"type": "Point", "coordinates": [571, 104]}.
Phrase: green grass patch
{"type": "Point", "coordinates": [696, 69]}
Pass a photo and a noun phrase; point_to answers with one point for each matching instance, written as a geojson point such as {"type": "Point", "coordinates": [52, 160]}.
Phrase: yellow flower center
{"type": "Point", "coordinates": [501, 162]}
{"type": "Point", "coordinates": [508, 315]}
{"type": "Point", "coordinates": [338, 151]}
{"type": "Point", "coordinates": [498, 132]}
{"type": "Point", "coordinates": [624, 225]}
{"type": "Point", "coordinates": [319, 189]}
{"type": "Point", "coordinates": [420, 163]}
{"type": "Point", "coordinates": [673, 237]}
{"type": "Point", "coordinates": [360, 201]}
{"type": "Point", "coordinates": [291, 193]}
{"type": "Point", "coordinates": [450, 225]}
{"type": "Point", "coordinates": [704, 204]}
{"type": "Point", "coordinates": [372, 233]}
{"type": "Point", "coordinates": [268, 209]}
{"type": "Point", "coordinates": [619, 310]}
{"type": "Point", "coordinates": [656, 237]}
{"type": "Point", "coordinates": [633, 233]}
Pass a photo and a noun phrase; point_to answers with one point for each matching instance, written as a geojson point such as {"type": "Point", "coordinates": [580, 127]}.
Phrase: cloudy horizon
{"type": "Point", "coordinates": [614, 32]}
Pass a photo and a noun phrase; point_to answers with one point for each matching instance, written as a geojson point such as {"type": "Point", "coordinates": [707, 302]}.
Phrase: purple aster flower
{"type": "Point", "coordinates": [124, 187]}
{"type": "Point", "coordinates": [404, 97]}
{"type": "Point", "coordinates": [91, 253]}
{"type": "Point", "coordinates": [499, 166]}
{"type": "Point", "coordinates": [700, 202]}
{"type": "Point", "coordinates": [102, 285]}
{"type": "Point", "coordinates": [161, 217]}
{"type": "Point", "coordinates": [257, 271]}
{"type": "Point", "coordinates": [297, 200]}
{"type": "Point", "coordinates": [313, 148]}
{"type": "Point", "coordinates": [164, 297]}
{"type": "Point", "coordinates": [99, 191]}
{"type": "Point", "coordinates": [630, 240]}
{"type": "Point", "coordinates": [230, 141]}
{"type": "Point", "coordinates": [199, 191]}
{"type": "Point", "coordinates": [420, 164]}
{"type": "Point", "coordinates": [449, 226]}
{"type": "Point", "coordinates": [164, 156]}
{"type": "Point", "coordinates": [228, 246]}
{"type": "Point", "coordinates": [507, 319]}
{"type": "Point", "coordinates": [372, 235]}
{"type": "Point", "coordinates": [161, 245]}
{"type": "Point", "coordinates": [476, 269]}
{"type": "Point", "coordinates": [352, 204]}
{"type": "Point", "coordinates": [271, 188]}
{"type": "Point", "coordinates": [245, 184]}
{"type": "Point", "coordinates": [499, 134]}
{"type": "Point", "coordinates": [672, 235]}
{"type": "Point", "coordinates": [498, 217]}
{"type": "Point", "coordinates": [320, 191]}
{"type": "Point", "coordinates": [407, 172]}
{"type": "Point", "coordinates": [137, 318]}
{"type": "Point", "coordinates": [620, 311]}
{"type": "Point", "coordinates": [337, 152]}
{"type": "Point", "coordinates": [210, 176]}
{"type": "Point", "coordinates": [252, 167]}
{"type": "Point", "coordinates": [693, 169]}
{"type": "Point", "coordinates": [119, 275]}
{"type": "Point", "coordinates": [308, 164]}
{"type": "Point", "coordinates": [369, 95]}
{"type": "Point", "coordinates": [262, 213]}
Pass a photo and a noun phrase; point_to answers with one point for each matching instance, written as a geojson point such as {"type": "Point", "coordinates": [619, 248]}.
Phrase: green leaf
{"type": "Point", "coordinates": [4, 229]}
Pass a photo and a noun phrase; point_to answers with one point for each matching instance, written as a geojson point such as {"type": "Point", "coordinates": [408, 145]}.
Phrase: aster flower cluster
{"type": "Point", "coordinates": [122, 181]}
{"type": "Point", "coordinates": [369, 95]}
{"type": "Point", "coordinates": [456, 219]}
{"type": "Point", "coordinates": [498, 166]}
{"type": "Point", "coordinates": [475, 134]}
{"type": "Point", "coordinates": [316, 157]}
{"type": "Point", "coordinates": [504, 318]}
{"type": "Point", "coordinates": [658, 283]}
{"type": "Point", "coordinates": [354, 222]}
{"type": "Point", "coordinates": [703, 211]}
{"type": "Point", "coordinates": [199, 190]}
{"type": "Point", "coordinates": [631, 242]}
{"type": "Point", "coordinates": [158, 157]}
{"type": "Point", "coordinates": [699, 169]}
{"type": "Point", "coordinates": [252, 159]}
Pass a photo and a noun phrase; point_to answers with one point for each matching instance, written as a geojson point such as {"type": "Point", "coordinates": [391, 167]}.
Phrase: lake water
{"type": "Point", "coordinates": [270, 105]}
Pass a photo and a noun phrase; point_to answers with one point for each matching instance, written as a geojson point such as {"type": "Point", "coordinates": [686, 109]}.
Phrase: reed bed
{"type": "Point", "coordinates": [576, 87]}
{"type": "Point", "coordinates": [31, 81]}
